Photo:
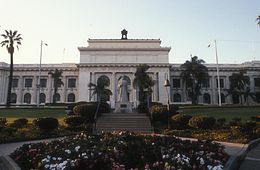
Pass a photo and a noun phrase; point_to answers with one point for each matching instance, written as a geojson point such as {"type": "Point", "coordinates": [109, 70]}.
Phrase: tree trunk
{"type": "Point", "coordinates": [8, 101]}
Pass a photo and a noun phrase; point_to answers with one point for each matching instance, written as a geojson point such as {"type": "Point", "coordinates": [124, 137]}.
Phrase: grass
{"type": "Point", "coordinates": [245, 113]}
{"type": "Point", "coordinates": [31, 113]}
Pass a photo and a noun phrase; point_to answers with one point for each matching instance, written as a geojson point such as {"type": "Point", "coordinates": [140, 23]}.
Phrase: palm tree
{"type": "Point", "coordinates": [11, 38]}
{"type": "Point", "coordinates": [258, 20]}
{"type": "Point", "coordinates": [193, 74]}
{"type": "Point", "coordinates": [142, 82]}
{"type": "Point", "coordinates": [57, 82]}
{"type": "Point", "coordinates": [239, 86]}
{"type": "Point", "coordinates": [100, 89]}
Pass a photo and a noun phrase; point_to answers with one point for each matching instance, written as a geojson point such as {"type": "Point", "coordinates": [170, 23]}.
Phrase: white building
{"type": "Point", "coordinates": [114, 58]}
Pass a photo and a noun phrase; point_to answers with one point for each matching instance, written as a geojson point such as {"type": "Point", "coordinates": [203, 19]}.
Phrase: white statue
{"type": "Point", "coordinates": [122, 90]}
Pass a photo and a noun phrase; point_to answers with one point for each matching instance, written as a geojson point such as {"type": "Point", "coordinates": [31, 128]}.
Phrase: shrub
{"type": "Point", "coordinates": [46, 124]}
{"type": "Point", "coordinates": [159, 113]}
{"type": "Point", "coordinates": [142, 108]}
{"type": "Point", "coordinates": [248, 127]}
{"type": "Point", "coordinates": [19, 123]}
{"type": "Point", "coordinates": [173, 108]}
{"type": "Point", "coordinates": [3, 122]}
{"type": "Point", "coordinates": [202, 122]}
{"type": "Point", "coordinates": [74, 121]}
{"type": "Point", "coordinates": [88, 110]}
{"type": "Point", "coordinates": [180, 121]}
{"type": "Point", "coordinates": [255, 118]}
{"type": "Point", "coordinates": [221, 122]}
{"type": "Point", "coordinates": [235, 122]}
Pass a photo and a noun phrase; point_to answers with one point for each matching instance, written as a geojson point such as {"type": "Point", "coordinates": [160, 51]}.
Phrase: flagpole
{"type": "Point", "coordinates": [219, 94]}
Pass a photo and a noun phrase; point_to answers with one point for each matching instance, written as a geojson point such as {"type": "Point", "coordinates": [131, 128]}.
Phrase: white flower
{"type": "Point", "coordinates": [77, 148]}
{"type": "Point", "coordinates": [46, 166]}
{"type": "Point", "coordinates": [202, 161]}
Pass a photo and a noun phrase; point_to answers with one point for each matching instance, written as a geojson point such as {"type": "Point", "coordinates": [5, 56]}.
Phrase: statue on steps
{"type": "Point", "coordinates": [122, 90]}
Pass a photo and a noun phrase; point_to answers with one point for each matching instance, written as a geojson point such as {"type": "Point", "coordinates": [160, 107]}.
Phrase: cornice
{"type": "Point", "coordinates": [122, 65]}
{"type": "Point", "coordinates": [124, 49]}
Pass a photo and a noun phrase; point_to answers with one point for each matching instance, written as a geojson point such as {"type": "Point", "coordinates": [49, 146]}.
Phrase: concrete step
{"type": "Point", "coordinates": [135, 122]}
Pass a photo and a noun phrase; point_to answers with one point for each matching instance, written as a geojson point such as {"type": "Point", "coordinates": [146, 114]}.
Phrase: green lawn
{"type": "Point", "coordinates": [32, 113]}
{"type": "Point", "coordinates": [245, 113]}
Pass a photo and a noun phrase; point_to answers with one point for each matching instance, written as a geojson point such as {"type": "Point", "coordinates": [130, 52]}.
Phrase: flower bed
{"type": "Point", "coordinates": [121, 150]}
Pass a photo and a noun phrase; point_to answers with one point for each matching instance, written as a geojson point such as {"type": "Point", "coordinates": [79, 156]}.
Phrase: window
{"type": "Point", "coordinates": [257, 82]}
{"type": "Point", "coordinates": [205, 83]}
{"type": "Point", "coordinates": [176, 97]}
{"type": "Point", "coordinates": [42, 98]}
{"type": "Point", "coordinates": [43, 83]}
{"type": "Point", "coordinates": [27, 98]}
{"type": "Point", "coordinates": [56, 97]}
{"type": "Point", "coordinates": [221, 82]}
{"type": "Point", "coordinates": [13, 98]}
{"type": "Point", "coordinates": [206, 98]}
{"type": "Point", "coordinates": [71, 97]}
{"type": "Point", "coordinates": [15, 83]}
{"type": "Point", "coordinates": [59, 83]}
{"type": "Point", "coordinates": [176, 83]}
{"type": "Point", "coordinates": [72, 83]}
{"type": "Point", "coordinates": [28, 83]}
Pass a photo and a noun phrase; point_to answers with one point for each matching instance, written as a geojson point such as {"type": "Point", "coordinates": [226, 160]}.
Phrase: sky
{"type": "Point", "coordinates": [187, 26]}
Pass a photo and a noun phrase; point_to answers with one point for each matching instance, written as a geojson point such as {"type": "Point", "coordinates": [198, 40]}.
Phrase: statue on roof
{"type": "Point", "coordinates": [124, 34]}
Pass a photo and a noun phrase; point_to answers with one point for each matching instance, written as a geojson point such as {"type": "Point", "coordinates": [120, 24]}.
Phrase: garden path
{"type": "Point", "coordinates": [252, 159]}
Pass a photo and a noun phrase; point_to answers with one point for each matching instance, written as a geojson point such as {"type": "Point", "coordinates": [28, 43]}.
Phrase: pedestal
{"type": "Point", "coordinates": [123, 107]}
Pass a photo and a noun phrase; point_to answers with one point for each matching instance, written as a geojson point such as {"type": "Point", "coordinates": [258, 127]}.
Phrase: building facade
{"type": "Point", "coordinates": [112, 59]}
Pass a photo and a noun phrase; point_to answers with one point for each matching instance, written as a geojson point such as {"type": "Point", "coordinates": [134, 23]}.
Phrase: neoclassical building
{"type": "Point", "coordinates": [112, 59]}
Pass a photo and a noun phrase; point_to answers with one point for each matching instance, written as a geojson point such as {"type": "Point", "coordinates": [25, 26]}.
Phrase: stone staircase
{"type": "Point", "coordinates": [134, 122]}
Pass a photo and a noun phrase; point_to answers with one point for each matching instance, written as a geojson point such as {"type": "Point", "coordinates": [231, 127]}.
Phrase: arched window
{"type": "Point", "coordinates": [42, 98]}
{"type": "Point", "coordinates": [56, 97]}
{"type": "Point", "coordinates": [71, 97]}
{"type": "Point", "coordinates": [206, 98]}
{"type": "Point", "coordinates": [176, 97]}
{"type": "Point", "coordinates": [13, 98]}
{"type": "Point", "coordinates": [103, 78]}
{"type": "Point", "coordinates": [235, 99]}
{"type": "Point", "coordinates": [27, 98]}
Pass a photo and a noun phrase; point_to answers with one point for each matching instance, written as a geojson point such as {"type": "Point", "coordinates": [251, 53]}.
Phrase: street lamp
{"type": "Point", "coordinates": [167, 85]}
{"type": "Point", "coordinates": [39, 79]}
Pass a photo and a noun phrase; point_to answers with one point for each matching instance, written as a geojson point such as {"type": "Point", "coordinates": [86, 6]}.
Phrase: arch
{"type": "Point", "coordinates": [206, 98]}
{"type": "Point", "coordinates": [103, 78]}
{"type": "Point", "coordinates": [13, 98]}
{"type": "Point", "coordinates": [42, 98]}
{"type": "Point", "coordinates": [71, 97]}
{"type": "Point", "coordinates": [27, 98]}
{"type": "Point", "coordinates": [235, 98]}
{"type": "Point", "coordinates": [56, 97]}
{"type": "Point", "coordinates": [176, 97]}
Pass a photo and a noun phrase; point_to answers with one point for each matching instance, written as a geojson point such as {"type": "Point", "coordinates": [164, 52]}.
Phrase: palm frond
{"type": "Point", "coordinates": [5, 36]}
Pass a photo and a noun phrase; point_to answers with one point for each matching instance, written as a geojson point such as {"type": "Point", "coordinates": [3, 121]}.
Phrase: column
{"type": "Point", "coordinates": [49, 89]}
{"type": "Point", "coordinates": [113, 87]}
{"type": "Point", "coordinates": [34, 91]}
{"type": "Point", "coordinates": [84, 77]}
{"type": "Point", "coordinates": [64, 90]}
{"type": "Point", "coordinates": [20, 90]}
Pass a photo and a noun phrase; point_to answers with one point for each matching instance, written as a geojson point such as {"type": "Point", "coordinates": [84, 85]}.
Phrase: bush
{"type": "Point", "coordinates": [173, 108]}
{"type": "Point", "coordinates": [248, 127]}
{"type": "Point", "coordinates": [255, 118]}
{"type": "Point", "coordinates": [46, 124]}
{"type": "Point", "coordinates": [180, 121]}
{"type": "Point", "coordinates": [88, 110]}
{"type": "Point", "coordinates": [221, 122]}
{"type": "Point", "coordinates": [235, 122]}
{"type": "Point", "coordinates": [142, 108]}
{"type": "Point", "coordinates": [19, 123]}
{"type": "Point", "coordinates": [202, 122]}
{"type": "Point", "coordinates": [159, 113]}
{"type": "Point", "coordinates": [3, 122]}
{"type": "Point", "coordinates": [74, 121]}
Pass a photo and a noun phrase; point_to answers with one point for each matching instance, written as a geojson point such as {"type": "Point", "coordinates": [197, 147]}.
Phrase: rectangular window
{"type": "Point", "coordinates": [15, 83]}
{"type": "Point", "coordinates": [43, 83]}
{"type": "Point", "coordinates": [257, 82]}
{"type": "Point", "coordinates": [205, 83]}
{"type": "Point", "coordinates": [176, 83]}
{"type": "Point", "coordinates": [221, 83]}
{"type": "Point", "coordinates": [72, 83]}
{"type": "Point", "coordinates": [28, 83]}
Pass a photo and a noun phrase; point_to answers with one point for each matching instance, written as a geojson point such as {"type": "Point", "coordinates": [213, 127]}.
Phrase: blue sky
{"type": "Point", "coordinates": [187, 26]}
